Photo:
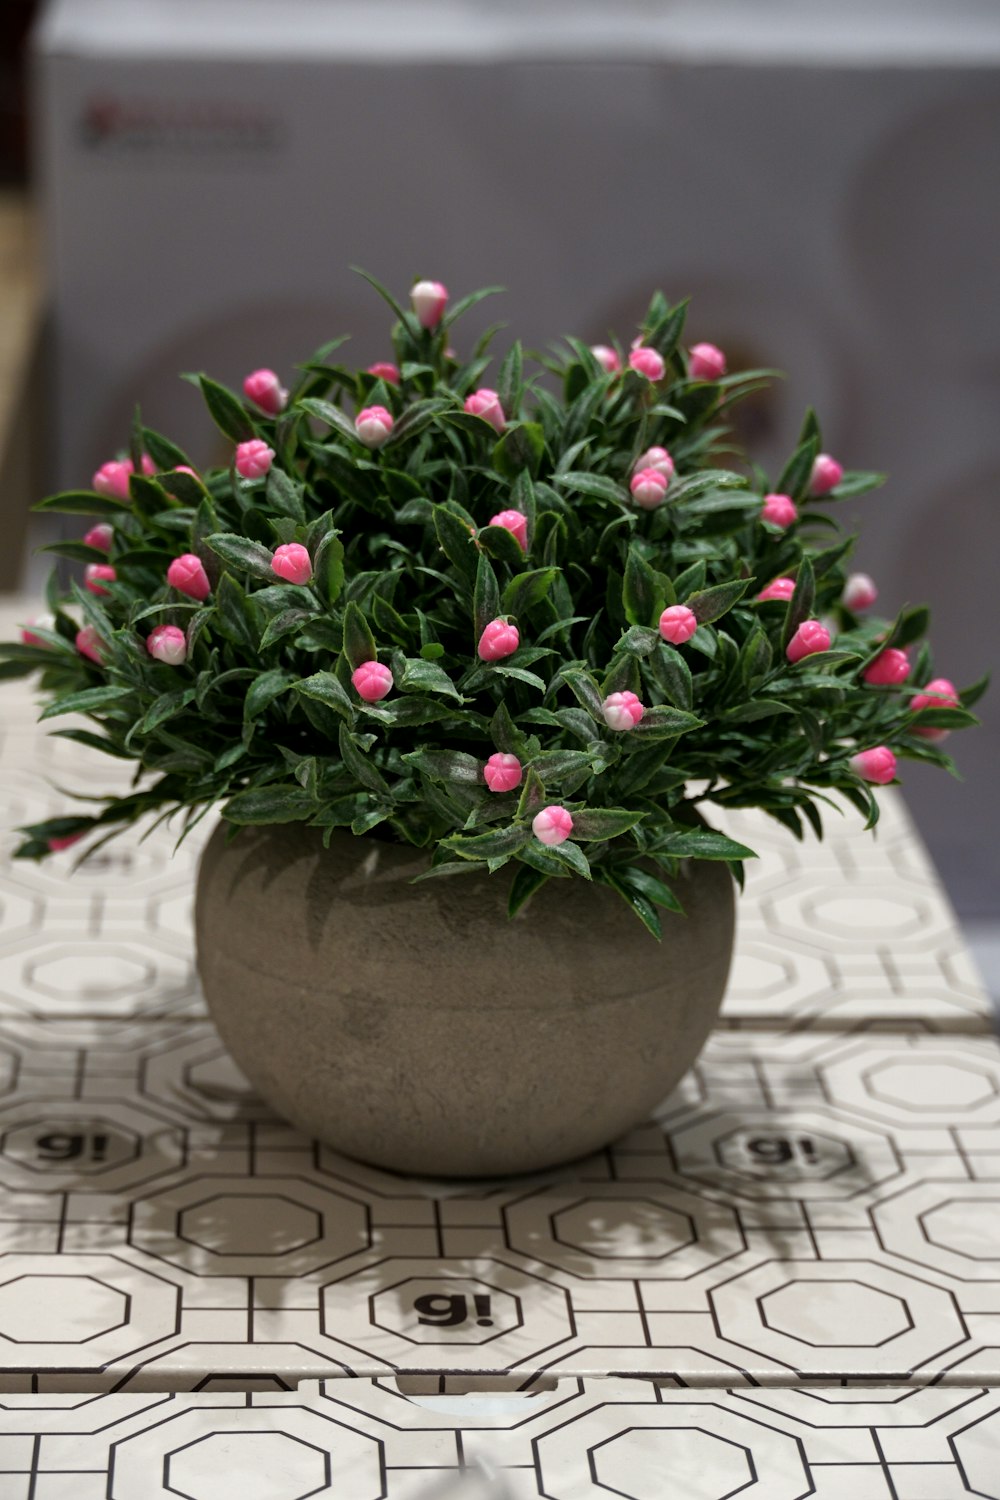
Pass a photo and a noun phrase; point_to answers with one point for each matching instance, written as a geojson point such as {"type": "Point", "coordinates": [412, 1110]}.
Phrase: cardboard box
{"type": "Point", "coordinates": [822, 180]}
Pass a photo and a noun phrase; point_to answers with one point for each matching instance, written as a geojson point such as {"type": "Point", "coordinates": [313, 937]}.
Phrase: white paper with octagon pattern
{"type": "Point", "coordinates": [807, 1206]}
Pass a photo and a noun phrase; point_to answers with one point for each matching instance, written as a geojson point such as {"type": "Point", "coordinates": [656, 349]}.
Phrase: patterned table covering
{"type": "Point", "coordinates": [787, 1283]}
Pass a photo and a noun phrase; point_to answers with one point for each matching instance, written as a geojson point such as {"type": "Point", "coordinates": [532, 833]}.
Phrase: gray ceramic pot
{"type": "Point", "coordinates": [415, 1027]}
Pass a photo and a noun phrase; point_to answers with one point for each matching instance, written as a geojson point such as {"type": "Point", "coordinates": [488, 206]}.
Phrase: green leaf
{"type": "Point", "coordinates": [524, 885]}
{"type": "Point", "coordinates": [597, 485]}
{"type": "Point", "coordinates": [226, 410]}
{"type": "Point", "coordinates": [518, 674]}
{"type": "Point", "coordinates": [331, 416]}
{"type": "Point", "coordinates": [285, 623]}
{"type": "Point", "coordinates": [456, 541]}
{"type": "Point", "coordinates": [639, 640]}
{"type": "Point", "coordinates": [270, 804]}
{"type": "Point", "coordinates": [500, 543]}
{"type": "Point", "coordinates": [649, 886]}
{"type": "Point", "coordinates": [971, 695]}
{"type": "Point", "coordinates": [325, 687]}
{"type": "Point", "coordinates": [165, 454]}
{"type": "Point", "coordinates": [328, 567]}
{"type": "Point", "coordinates": [800, 605]}
{"type": "Point", "coordinates": [755, 656]}
{"type": "Point", "coordinates": [501, 842]}
{"type": "Point", "coordinates": [584, 687]}
{"type": "Point", "coordinates": [464, 304]}
{"type": "Point", "coordinates": [703, 843]}
{"type": "Point", "coordinates": [486, 597]}
{"type": "Point", "coordinates": [283, 495]}
{"type": "Point", "coordinates": [795, 476]}
{"type": "Point", "coordinates": [662, 722]}
{"type": "Point", "coordinates": [510, 380]}
{"type": "Point", "coordinates": [264, 690]}
{"type": "Point", "coordinates": [855, 483]}
{"type": "Point", "coordinates": [554, 766]}
{"type": "Point", "coordinates": [595, 824]}
{"type": "Point", "coordinates": [673, 676]}
{"type": "Point", "coordinates": [415, 418]}
{"type": "Point", "coordinates": [386, 295]}
{"type": "Point", "coordinates": [87, 701]}
{"type": "Point", "coordinates": [910, 626]}
{"type": "Point", "coordinates": [525, 590]}
{"type": "Point", "coordinates": [639, 594]}
{"type": "Point", "coordinates": [240, 552]}
{"type": "Point", "coordinates": [749, 713]}
{"type": "Point", "coordinates": [521, 448]}
{"type": "Point", "coordinates": [360, 767]}
{"type": "Point", "coordinates": [426, 677]}
{"type": "Point", "coordinates": [447, 765]}
{"type": "Point", "coordinates": [233, 614]}
{"type": "Point", "coordinates": [82, 503]}
{"type": "Point", "coordinates": [945, 718]}
{"type": "Point", "coordinates": [711, 604]}
{"type": "Point", "coordinates": [75, 551]}
{"type": "Point", "coordinates": [635, 901]}
{"type": "Point", "coordinates": [359, 643]}
{"type": "Point", "coordinates": [571, 855]}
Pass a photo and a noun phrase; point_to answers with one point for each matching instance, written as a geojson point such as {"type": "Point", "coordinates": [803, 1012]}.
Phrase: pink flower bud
{"type": "Point", "coordinates": [937, 694]}
{"type": "Point", "coordinates": [265, 389]}
{"type": "Point", "coordinates": [100, 536]}
{"type": "Point", "coordinates": [877, 765]}
{"type": "Point", "coordinates": [167, 643]}
{"type": "Point", "coordinates": [826, 475]}
{"type": "Point", "coordinates": [253, 459]}
{"type": "Point", "coordinates": [779, 510]}
{"type": "Point", "coordinates": [186, 469]}
{"type": "Point", "coordinates": [810, 637]}
{"type": "Point", "coordinates": [373, 426]}
{"type": "Point", "coordinates": [940, 693]}
{"type": "Point", "coordinates": [516, 523]}
{"type": "Point", "coordinates": [112, 479]}
{"type": "Point", "coordinates": [622, 711]}
{"type": "Point", "coordinates": [608, 358]}
{"type": "Point", "coordinates": [678, 624]}
{"type": "Point", "coordinates": [553, 825]}
{"type": "Point", "coordinates": [88, 643]}
{"type": "Point", "coordinates": [648, 488]}
{"type": "Point", "coordinates": [93, 573]}
{"type": "Point", "coordinates": [384, 369]}
{"type": "Point", "coordinates": [292, 562]}
{"type": "Point", "coordinates": [778, 588]}
{"type": "Point", "coordinates": [655, 458]}
{"type": "Point", "coordinates": [64, 842]}
{"type": "Point", "coordinates": [647, 362]}
{"type": "Point", "coordinates": [888, 669]}
{"type": "Point", "coordinates": [502, 773]}
{"type": "Point", "coordinates": [706, 362]}
{"type": "Point", "coordinates": [43, 622]}
{"type": "Point", "coordinates": [148, 466]}
{"type": "Point", "coordinates": [371, 681]}
{"type": "Point", "coordinates": [486, 404]}
{"type": "Point", "coordinates": [429, 299]}
{"type": "Point", "coordinates": [498, 640]}
{"type": "Point", "coordinates": [859, 593]}
{"type": "Point", "coordinates": [187, 576]}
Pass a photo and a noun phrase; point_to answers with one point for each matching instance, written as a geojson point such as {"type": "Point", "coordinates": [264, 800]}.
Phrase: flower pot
{"type": "Point", "coordinates": [415, 1027]}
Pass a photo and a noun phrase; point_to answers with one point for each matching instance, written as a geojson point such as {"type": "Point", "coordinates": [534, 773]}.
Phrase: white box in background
{"type": "Point", "coordinates": [823, 179]}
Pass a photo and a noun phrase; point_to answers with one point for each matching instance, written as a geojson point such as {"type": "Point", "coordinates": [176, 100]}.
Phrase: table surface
{"type": "Point", "coordinates": [790, 1277]}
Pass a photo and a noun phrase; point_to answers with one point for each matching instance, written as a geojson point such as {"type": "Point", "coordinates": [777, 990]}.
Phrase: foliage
{"type": "Point", "coordinates": [262, 718]}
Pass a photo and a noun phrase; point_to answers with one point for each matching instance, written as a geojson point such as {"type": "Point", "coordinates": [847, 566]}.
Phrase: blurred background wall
{"type": "Point", "coordinates": [822, 179]}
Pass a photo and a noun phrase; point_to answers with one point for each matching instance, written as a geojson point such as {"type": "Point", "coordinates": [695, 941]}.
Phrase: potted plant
{"type": "Point", "coordinates": [462, 668]}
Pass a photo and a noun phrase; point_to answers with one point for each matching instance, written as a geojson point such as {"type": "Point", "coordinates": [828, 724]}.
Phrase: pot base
{"type": "Point", "coordinates": [415, 1028]}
